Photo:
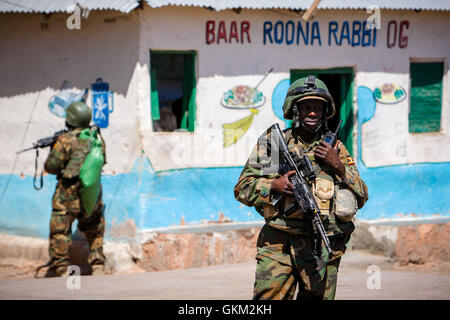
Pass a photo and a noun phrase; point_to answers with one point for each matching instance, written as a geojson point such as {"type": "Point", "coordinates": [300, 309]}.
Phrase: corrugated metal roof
{"type": "Point", "coordinates": [48, 6]}
{"type": "Point", "coordinates": [305, 4]}
{"type": "Point", "coordinates": [386, 4]}
{"type": "Point", "coordinates": [231, 4]}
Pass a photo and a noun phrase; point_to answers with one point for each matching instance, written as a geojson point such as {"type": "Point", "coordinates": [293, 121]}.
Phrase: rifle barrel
{"type": "Point", "coordinates": [17, 152]}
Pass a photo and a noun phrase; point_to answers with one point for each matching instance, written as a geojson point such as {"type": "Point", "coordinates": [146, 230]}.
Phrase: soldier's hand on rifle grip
{"type": "Point", "coordinates": [330, 157]}
{"type": "Point", "coordinates": [282, 185]}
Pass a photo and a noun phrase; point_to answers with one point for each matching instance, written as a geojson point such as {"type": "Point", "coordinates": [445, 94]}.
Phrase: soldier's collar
{"type": "Point", "coordinates": [296, 135]}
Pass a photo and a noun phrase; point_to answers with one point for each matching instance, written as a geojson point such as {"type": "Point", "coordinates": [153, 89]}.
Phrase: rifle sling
{"type": "Point", "coordinates": [35, 172]}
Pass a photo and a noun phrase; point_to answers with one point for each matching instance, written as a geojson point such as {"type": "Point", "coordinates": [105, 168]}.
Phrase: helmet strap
{"type": "Point", "coordinates": [69, 126]}
{"type": "Point", "coordinates": [297, 119]}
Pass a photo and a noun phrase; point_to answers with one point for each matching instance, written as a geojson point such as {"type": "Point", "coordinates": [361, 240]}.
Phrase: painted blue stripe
{"type": "Point", "coordinates": [162, 199]}
{"type": "Point", "coordinates": [152, 200]}
{"type": "Point", "coordinates": [156, 200]}
{"type": "Point", "coordinates": [23, 210]}
{"type": "Point", "coordinates": [421, 189]}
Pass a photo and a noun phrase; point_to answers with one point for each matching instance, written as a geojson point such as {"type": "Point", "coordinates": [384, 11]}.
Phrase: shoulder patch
{"type": "Point", "coordinates": [350, 161]}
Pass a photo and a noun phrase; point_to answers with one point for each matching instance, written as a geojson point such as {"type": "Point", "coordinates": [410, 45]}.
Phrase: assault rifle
{"type": "Point", "coordinates": [304, 199]}
{"type": "Point", "coordinates": [45, 142]}
{"type": "Point", "coordinates": [42, 143]}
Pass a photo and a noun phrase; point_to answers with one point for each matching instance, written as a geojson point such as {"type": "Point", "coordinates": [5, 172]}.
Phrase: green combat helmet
{"type": "Point", "coordinates": [307, 88]}
{"type": "Point", "coordinates": [78, 114]}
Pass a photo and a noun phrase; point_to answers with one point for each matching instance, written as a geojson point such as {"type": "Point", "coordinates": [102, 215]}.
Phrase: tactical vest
{"type": "Point", "coordinates": [323, 190]}
{"type": "Point", "coordinates": [80, 148]}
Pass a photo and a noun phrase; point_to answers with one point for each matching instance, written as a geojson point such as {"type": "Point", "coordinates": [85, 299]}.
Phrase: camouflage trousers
{"type": "Point", "coordinates": [285, 262]}
{"type": "Point", "coordinates": [60, 238]}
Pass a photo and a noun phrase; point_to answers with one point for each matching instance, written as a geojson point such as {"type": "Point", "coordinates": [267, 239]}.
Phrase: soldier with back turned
{"type": "Point", "coordinates": [65, 161]}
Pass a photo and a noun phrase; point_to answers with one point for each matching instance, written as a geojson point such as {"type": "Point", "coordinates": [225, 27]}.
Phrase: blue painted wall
{"type": "Point", "coordinates": [156, 200]}
{"type": "Point", "coordinates": [152, 199]}
{"type": "Point", "coordinates": [421, 189]}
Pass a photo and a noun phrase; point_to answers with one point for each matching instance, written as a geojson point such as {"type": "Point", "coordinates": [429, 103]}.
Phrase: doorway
{"type": "Point", "coordinates": [339, 82]}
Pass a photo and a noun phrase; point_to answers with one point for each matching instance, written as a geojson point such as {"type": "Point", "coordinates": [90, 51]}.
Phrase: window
{"type": "Point", "coordinates": [426, 96]}
{"type": "Point", "coordinates": [173, 90]}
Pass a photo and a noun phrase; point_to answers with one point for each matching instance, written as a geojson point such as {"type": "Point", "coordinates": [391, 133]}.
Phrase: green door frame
{"type": "Point", "coordinates": [189, 105]}
{"type": "Point", "coordinates": [346, 108]}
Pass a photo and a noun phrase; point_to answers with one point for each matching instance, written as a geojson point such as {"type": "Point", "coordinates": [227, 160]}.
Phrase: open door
{"type": "Point", "coordinates": [339, 82]}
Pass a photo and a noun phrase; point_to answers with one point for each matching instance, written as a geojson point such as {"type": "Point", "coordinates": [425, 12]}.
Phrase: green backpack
{"type": "Point", "coordinates": [91, 171]}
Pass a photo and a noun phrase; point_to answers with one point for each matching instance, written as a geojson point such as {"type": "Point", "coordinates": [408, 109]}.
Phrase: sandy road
{"type": "Point", "coordinates": [233, 282]}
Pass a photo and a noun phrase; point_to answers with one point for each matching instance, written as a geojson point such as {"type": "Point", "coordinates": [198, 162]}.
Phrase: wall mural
{"type": "Point", "coordinates": [366, 110]}
{"type": "Point", "coordinates": [64, 98]}
{"type": "Point", "coordinates": [102, 103]}
{"type": "Point", "coordinates": [245, 97]}
{"type": "Point", "coordinates": [278, 96]}
{"type": "Point", "coordinates": [389, 93]}
{"type": "Point", "coordinates": [241, 97]}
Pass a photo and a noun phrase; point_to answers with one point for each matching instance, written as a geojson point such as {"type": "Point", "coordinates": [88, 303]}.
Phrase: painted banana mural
{"type": "Point", "coordinates": [239, 98]}
{"type": "Point", "coordinates": [235, 130]}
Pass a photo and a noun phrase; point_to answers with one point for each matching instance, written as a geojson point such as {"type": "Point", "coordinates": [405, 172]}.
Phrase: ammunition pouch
{"type": "Point", "coordinates": [269, 211]}
{"type": "Point", "coordinates": [323, 191]}
{"type": "Point", "coordinates": [346, 205]}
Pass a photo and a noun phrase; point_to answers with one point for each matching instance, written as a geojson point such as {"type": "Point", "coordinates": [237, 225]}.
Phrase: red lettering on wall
{"type": "Point", "coordinates": [391, 24]}
{"type": "Point", "coordinates": [403, 40]}
{"type": "Point", "coordinates": [215, 32]}
{"type": "Point", "coordinates": [245, 28]}
{"type": "Point", "coordinates": [233, 32]}
{"type": "Point", "coordinates": [210, 36]}
{"type": "Point", "coordinates": [221, 33]}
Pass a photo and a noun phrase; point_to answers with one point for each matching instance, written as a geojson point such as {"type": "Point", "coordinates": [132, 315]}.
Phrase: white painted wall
{"type": "Point", "coordinates": [34, 63]}
{"type": "Point", "coordinates": [386, 139]}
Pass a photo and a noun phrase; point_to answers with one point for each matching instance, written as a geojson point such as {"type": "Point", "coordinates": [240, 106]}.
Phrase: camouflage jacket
{"type": "Point", "coordinates": [65, 160]}
{"type": "Point", "coordinates": [254, 184]}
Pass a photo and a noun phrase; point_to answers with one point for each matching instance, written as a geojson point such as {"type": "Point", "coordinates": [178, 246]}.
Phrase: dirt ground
{"type": "Point", "coordinates": [355, 258]}
{"type": "Point", "coordinates": [233, 281]}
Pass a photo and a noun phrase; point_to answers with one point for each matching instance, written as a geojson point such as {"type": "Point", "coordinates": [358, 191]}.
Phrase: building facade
{"type": "Point", "coordinates": [192, 88]}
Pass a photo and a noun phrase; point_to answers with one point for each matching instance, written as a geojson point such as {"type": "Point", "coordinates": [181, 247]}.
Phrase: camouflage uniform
{"type": "Point", "coordinates": [65, 160]}
{"type": "Point", "coordinates": [284, 248]}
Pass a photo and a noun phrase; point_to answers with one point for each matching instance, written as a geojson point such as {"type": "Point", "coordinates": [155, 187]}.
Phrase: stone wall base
{"type": "Point", "coordinates": [193, 250]}
{"type": "Point", "coordinates": [416, 244]}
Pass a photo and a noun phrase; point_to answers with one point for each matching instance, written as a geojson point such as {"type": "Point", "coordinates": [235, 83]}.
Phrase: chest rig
{"type": "Point", "coordinates": [323, 187]}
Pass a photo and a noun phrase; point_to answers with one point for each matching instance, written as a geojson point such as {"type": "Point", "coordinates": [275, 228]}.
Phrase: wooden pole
{"type": "Point", "coordinates": [310, 11]}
